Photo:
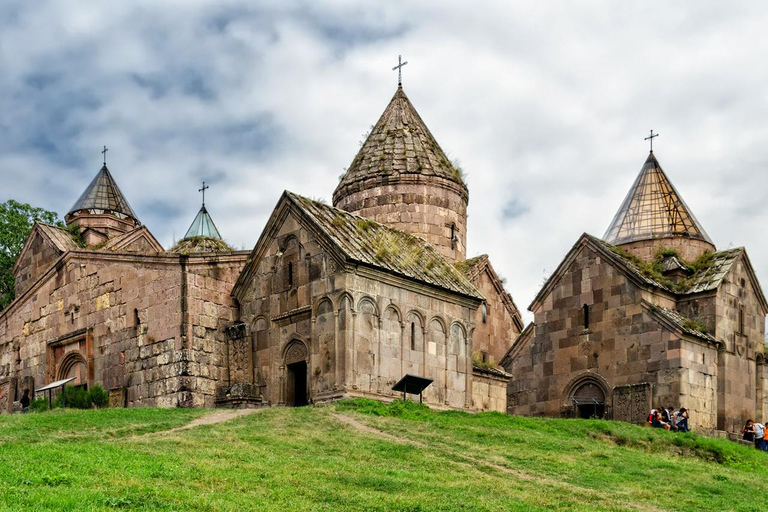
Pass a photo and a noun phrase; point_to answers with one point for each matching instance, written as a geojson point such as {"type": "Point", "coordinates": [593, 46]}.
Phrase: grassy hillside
{"type": "Point", "coordinates": [363, 455]}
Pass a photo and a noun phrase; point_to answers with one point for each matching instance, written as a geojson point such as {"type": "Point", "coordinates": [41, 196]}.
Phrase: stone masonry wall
{"type": "Point", "coordinates": [34, 262]}
{"type": "Point", "coordinates": [622, 345]}
{"type": "Point", "coordinates": [122, 315]}
{"type": "Point", "coordinates": [495, 334]}
{"type": "Point", "coordinates": [360, 333]}
{"type": "Point", "coordinates": [420, 208]}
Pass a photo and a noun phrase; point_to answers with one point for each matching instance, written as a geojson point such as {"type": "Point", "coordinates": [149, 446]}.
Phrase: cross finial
{"type": "Point", "coordinates": [651, 137]}
{"type": "Point", "coordinates": [205, 187]}
{"type": "Point", "coordinates": [104, 152]}
{"type": "Point", "coordinates": [399, 69]}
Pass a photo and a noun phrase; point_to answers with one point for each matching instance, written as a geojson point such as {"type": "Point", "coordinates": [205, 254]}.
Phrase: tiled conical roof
{"type": "Point", "coordinates": [653, 209]}
{"type": "Point", "coordinates": [400, 144]}
{"type": "Point", "coordinates": [103, 194]}
{"type": "Point", "coordinates": [203, 226]}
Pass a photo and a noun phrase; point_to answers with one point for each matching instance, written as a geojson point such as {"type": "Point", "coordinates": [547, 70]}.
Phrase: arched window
{"type": "Point", "coordinates": [484, 310]}
{"type": "Point", "coordinates": [290, 275]}
{"type": "Point", "coordinates": [585, 309]}
{"type": "Point", "coordinates": [413, 336]}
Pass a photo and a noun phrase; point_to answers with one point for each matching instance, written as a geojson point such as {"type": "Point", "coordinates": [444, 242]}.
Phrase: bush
{"type": "Point", "coordinates": [39, 404]}
{"type": "Point", "coordinates": [98, 396]}
{"type": "Point", "coordinates": [74, 397]}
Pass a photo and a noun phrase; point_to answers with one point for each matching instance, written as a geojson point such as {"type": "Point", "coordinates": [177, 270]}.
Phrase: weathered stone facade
{"type": "Point", "coordinates": [327, 305]}
{"type": "Point", "coordinates": [618, 330]}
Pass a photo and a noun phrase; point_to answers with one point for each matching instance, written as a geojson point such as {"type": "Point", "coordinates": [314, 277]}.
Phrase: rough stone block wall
{"type": "Point", "coordinates": [33, 263]}
{"type": "Point", "coordinates": [621, 345]}
{"type": "Point", "coordinates": [489, 393]}
{"type": "Point", "coordinates": [496, 334]}
{"type": "Point", "coordinates": [423, 209]}
{"type": "Point", "coordinates": [362, 333]}
{"type": "Point", "coordinates": [688, 249]}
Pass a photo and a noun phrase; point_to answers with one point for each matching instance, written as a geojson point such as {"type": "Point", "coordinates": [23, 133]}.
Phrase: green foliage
{"type": "Point", "coordinates": [39, 404]}
{"type": "Point", "coordinates": [364, 225]}
{"type": "Point", "coordinates": [655, 269]}
{"type": "Point", "coordinates": [98, 396]}
{"type": "Point", "coordinates": [77, 237]}
{"type": "Point", "coordinates": [74, 398]}
{"type": "Point", "coordinates": [79, 398]}
{"type": "Point", "coordinates": [695, 325]}
{"type": "Point", "coordinates": [16, 220]}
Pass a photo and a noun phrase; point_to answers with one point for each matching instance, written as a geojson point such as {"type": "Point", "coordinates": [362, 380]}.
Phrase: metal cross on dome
{"type": "Point", "coordinates": [651, 137]}
{"type": "Point", "coordinates": [205, 187]}
{"type": "Point", "coordinates": [104, 152]}
{"type": "Point", "coordinates": [399, 69]}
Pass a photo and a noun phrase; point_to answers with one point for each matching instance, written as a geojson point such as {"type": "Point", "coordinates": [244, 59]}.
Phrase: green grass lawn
{"type": "Point", "coordinates": [364, 455]}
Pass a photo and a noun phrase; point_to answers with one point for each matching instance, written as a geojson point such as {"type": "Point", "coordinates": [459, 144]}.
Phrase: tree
{"type": "Point", "coordinates": [16, 220]}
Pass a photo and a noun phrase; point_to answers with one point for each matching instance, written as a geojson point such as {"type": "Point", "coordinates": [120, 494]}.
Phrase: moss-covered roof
{"type": "Point", "coordinates": [200, 244]}
{"type": "Point", "coordinates": [685, 324]}
{"type": "Point", "coordinates": [368, 242]}
{"type": "Point", "coordinates": [400, 145]}
{"type": "Point", "coordinates": [706, 274]}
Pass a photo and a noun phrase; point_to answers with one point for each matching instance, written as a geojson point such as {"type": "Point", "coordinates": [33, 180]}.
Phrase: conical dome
{"type": "Point", "coordinates": [399, 144]}
{"type": "Point", "coordinates": [402, 178]}
{"type": "Point", "coordinates": [654, 211]}
{"type": "Point", "coordinates": [103, 194]}
{"type": "Point", "coordinates": [203, 226]}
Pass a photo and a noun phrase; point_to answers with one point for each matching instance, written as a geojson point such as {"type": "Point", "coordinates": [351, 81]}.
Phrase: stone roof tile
{"type": "Point", "coordinates": [374, 244]}
{"type": "Point", "coordinates": [400, 144]}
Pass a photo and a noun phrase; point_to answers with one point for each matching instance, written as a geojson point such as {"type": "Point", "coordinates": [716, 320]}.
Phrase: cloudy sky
{"type": "Point", "coordinates": [545, 104]}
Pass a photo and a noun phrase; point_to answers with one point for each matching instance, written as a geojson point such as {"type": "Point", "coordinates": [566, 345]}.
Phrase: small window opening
{"type": "Point", "coordinates": [484, 356]}
{"type": "Point", "coordinates": [703, 359]}
{"type": "Point", "coordinates": [136, 320]}
{"type": "Point", "coordinates": [743, 282]}
{"type": "Point", "coordinates": [453, 236]}
{"type": "Point", "coordinates": [290, 275]}
{"type": "Point", "coordinates": [741, 319]}
{"type": "Point", "coordinates": [413, 336]}
{"type": "Point", "coordinates": [585, 308]}
{"type": "Point", "coordinates": [484, 310]}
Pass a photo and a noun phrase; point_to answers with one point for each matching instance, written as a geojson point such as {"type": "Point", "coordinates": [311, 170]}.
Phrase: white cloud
{"type": "Point", "coordinates": [545, 106]}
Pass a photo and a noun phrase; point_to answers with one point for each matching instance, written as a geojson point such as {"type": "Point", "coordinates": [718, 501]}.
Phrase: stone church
{"type": "Point", "coordinates": [651, 315]}
{"type": "Point", "coordinates": [332, 302]}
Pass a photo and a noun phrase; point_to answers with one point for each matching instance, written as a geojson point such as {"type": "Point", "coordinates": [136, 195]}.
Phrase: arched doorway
{"type": "Point", "coordinates": [73, 365]}
{"type": "Point", "coordinates": [588, 400]}
{"type": "Point", "coordinates": [297, 383]}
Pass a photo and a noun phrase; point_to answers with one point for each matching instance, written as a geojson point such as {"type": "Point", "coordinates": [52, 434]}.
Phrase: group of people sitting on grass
{"type": "Point", "coordinates": [755, 432]}
{"type": "Point", "coordinates": [669, 419]}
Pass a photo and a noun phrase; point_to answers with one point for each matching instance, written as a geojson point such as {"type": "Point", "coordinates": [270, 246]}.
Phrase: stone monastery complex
{"type": "Point", "coordinates": [344, 300]}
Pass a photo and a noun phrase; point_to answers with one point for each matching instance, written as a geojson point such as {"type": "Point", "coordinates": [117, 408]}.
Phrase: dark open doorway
{"type": "Point", "coordinates": [588, 401]}
{"type": "Point", "coordinates": [296, 395]}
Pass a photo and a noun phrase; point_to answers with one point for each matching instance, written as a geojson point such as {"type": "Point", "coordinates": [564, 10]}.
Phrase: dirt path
{"type": "Point", "coordinates": [475, 462]}
{"type": "Point", "coordinates": [219, 416]}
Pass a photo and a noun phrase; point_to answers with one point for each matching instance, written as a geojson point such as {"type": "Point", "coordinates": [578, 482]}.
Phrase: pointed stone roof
{"type": "Point", "coordinates": [653, 209]}
{"type": "Point", "coordinates": [203, 226]}
{"type": "Point", "coordinates": [103, 194]}
{"type": "Point", "coordinates": [400, 146]}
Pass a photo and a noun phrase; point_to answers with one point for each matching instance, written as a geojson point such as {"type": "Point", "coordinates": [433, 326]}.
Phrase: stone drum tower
{"type": "Point", "coordinates": [402, 178]}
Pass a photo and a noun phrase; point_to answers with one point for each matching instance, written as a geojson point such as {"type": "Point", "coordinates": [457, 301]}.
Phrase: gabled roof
{"type": "Point", "coordinates": [653, 209]}
{"type": "Point", "coordinates": [400, 144]}
{"type": "Point", "coordinates": [57, 238]}
{"type": "Point", "coordinates": [369, 243]}
{"type": "Point", "coordinates": [521, 341]}
{"type": "Point", "coordinates": [203, 226]}
{"type": "Point", "coordinates": [676, 320]}
{"type": "Point", "coordinates": [126, 240]}
{"type": "Point", "coordinates": [103, 194]}
{"type": "Point", "coordinates": [708, 278]}
{"type": "Point", "coordinates": [473, 267]}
